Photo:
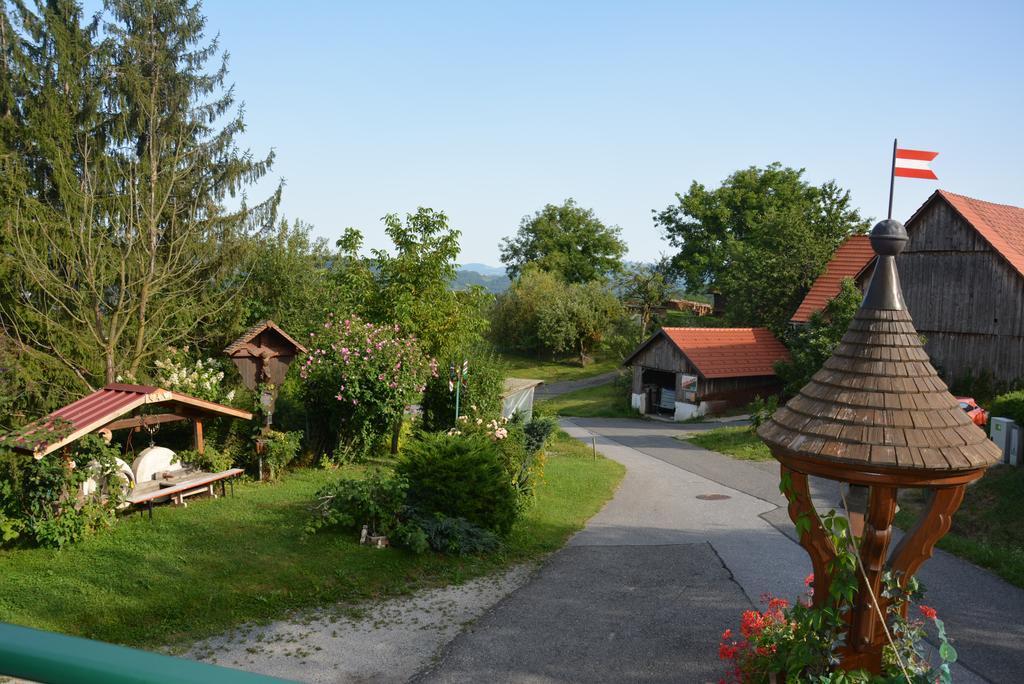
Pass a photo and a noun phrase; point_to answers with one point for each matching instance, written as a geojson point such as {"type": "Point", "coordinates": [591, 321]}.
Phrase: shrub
{"type": "Point", "coordinates": [375, 500]}
{"type": "Point", "coordinates": [456, 536]}
{"type": "Point", "coordinates": [40, 499]}
{"type": "Point", "coordinates": [459, 477]}
{"type": "Point", "coordinates": [538, 433]}
{"type": "Point", "coordinates": [280, 449]}
{"type": "Point", "coordinates": [202, 378]}
{"type": "Point", "coordinates": [762, 409]}
{"type": "Point", "coordinates": [1009, 405]}
{"type": "Point", "coordinates": [212, 460]}
{"type": "Point", "coordinates": [482, 389]}
{"type": "Point", "coordinates": [357, 380]}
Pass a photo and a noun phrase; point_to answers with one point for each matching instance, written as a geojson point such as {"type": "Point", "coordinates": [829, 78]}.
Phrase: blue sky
{"type": "Point", "coordinates": [489, 110]}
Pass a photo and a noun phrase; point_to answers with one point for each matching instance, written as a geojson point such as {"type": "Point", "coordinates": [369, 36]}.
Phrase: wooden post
{"type": "Point", "coordinates": [197, 435]}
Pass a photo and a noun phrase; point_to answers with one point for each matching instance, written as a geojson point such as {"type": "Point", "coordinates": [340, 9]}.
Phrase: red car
{"type": "Point", "coordinates": [975, 412]}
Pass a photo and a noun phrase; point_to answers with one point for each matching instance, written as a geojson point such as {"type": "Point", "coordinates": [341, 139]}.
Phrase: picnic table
{"type": "Point", "coordinates": [181, 486]}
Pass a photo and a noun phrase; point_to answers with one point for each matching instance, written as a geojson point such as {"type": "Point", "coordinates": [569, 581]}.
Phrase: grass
{"type": "Point", "coordinates": [521, 366]}
{"type": "Point", "coordinates": [605, 401]}
{"type": "Point", "coordinates": [987, 529]}
{"type": "Point", "coordinates": [198, 571]}
{"type": "Point", "coordinates": [738, 442]}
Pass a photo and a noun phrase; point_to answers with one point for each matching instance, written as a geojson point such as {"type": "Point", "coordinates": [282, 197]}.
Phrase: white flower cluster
{"type": "Point", "coordinates": [201, 379]}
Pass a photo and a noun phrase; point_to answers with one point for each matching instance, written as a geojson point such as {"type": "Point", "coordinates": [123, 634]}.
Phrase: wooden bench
{"type": "Point", "coordinates": [199, 483]}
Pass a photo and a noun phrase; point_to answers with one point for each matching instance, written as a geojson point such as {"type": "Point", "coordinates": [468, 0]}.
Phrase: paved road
{"type": "Point", "coordinates": [554, 389]}
{"type": "Point", "coordinates": [643, 592]}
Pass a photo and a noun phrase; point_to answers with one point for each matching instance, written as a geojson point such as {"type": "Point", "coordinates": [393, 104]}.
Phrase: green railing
{"type": "Point", "coordinates": [47, 657]}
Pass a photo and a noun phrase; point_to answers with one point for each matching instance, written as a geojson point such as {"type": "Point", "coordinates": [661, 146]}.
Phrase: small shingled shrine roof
{"type": "Point", "coordinates": [878, 404]}
{"type": "Point", "coordinates": [250, 334]}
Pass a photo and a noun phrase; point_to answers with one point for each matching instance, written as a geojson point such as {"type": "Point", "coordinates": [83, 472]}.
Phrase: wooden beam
{"type": "Point", "coordinates": [143, 421]}
{"type": "Point", "coordinates": [197, 435]}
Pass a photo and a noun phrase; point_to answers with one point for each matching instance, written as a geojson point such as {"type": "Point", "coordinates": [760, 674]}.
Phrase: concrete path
{"type": "Point", "coordinates": [644, 591]}
{"type": "Point", "coordinates": [554, 389]}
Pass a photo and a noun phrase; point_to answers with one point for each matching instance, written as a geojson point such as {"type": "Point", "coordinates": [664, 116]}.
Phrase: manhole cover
{"type": "Point", "coordinates": [713, 497]}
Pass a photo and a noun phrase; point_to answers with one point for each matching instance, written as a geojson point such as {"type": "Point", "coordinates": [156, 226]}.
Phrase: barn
{"type": "Point", "coordinates": [687, 372]}
{"type": "Point", "coordinates": [963, 281]}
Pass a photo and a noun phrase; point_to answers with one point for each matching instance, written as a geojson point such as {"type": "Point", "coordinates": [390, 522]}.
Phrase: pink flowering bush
{"type": "Point", "coordinates": [357, 380]}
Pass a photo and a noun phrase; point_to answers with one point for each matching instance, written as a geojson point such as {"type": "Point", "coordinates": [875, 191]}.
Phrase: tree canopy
{"type": "Point", "coordinates": [566, 240]}
{"type": "Point", "coordinates": [126, 184]}
{"type": "Point", "coordinates": [760, 239]}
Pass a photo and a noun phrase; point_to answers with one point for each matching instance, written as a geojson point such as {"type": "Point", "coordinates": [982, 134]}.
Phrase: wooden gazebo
{"type": "Point", "coordinates": [877, 415]}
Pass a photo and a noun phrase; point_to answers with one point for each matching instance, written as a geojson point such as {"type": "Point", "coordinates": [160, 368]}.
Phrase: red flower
{"type": "Point", "coordinates": [928, 612]}
{"type": "Point", "coordinates": [752, 623]}
{"type": "Point", "coordinates": [809, 580]}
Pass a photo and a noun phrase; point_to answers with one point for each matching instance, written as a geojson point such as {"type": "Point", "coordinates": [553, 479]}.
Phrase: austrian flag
{"type": "Point", "coordinates": [914, 164]}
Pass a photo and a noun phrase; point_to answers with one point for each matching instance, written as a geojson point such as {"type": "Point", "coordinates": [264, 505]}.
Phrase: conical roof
{"type": "Point", "coordinates": [877, 403]}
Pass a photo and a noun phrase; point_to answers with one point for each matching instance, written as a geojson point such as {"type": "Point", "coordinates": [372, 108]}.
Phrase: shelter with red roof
{"type": "Point", "coordinates": [689, 372]}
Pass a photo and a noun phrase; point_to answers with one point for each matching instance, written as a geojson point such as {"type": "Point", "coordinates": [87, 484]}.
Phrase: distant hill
{"type": "Point", "coordinates": [492, 282]}
{"type": "Point", "coordinates": [483, 269]}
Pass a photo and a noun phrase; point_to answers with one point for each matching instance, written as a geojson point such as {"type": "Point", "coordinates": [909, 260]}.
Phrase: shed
{"type": "Point", "coordinates": [853, 259]}
{"type": "Point", "coordinates": [107, 408]}
{"type": "Point", "coordinates": [963, 279]}
{"type": "Point", "coordinates": [689, 372]}
{"type": "Point", "coordinates": [517, 397]}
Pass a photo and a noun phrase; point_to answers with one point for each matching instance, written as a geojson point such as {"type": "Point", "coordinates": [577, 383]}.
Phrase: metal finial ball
{"type": "Point", "coordinates": [889, 237]}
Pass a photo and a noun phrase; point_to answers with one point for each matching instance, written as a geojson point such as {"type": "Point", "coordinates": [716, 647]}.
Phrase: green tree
{"type": "Point", "coordinates": [540, 313]}
{"type": "Point", "coordinates": [645, 287]}
{"type": "Point", "coordinates": [567, 240]}
{"type": "Point", "coordinates": [760, 239]}
{"type": "Point", "coordinates": [289, 281]}
{"type": "Point", "coordinates": [811, 344]}
{"type": "Point", "coordinates": [125, 241]}
{"type": "Point", "coordinates": [411, 285]}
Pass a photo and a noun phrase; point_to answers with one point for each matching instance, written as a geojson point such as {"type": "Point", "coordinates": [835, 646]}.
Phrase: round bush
{"type": "Point", "coordinates": [459, 477]}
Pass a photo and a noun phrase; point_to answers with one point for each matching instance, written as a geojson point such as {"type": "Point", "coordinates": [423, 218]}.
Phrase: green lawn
{"type": "Point", "coordinates": [606, 401]}
{"type": "Point", "coordinates": [520, 366]}
{"type": "Point", "coordinates": [738, 442]}
{"type": "Point", "coordinates": [987, 529]}
{"type": "Point", "coordinates": [197, 571]}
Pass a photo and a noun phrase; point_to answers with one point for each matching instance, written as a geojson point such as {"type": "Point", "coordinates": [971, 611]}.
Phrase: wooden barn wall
{"type": "Point", "coordinates": [964, 298]}
{"type": "Point", "coordinates": [738, 391]}
{"type": "Point", "coordinates": [661, 354]}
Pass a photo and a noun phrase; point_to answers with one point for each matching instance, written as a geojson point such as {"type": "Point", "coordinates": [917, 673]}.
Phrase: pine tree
{"type": "Point", "coordinates": [128, 239]}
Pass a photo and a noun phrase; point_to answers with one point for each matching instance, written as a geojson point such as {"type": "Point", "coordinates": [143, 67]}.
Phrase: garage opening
{"type": "Point", "coordinates": [660, 390]}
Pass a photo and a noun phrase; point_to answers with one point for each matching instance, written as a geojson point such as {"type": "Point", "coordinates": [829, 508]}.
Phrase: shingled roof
{"type": "Point", "coordinates": [250, 334]}
{"type": "Point", "coordinates": [852, 258]}
{"type": "Point", "coordinates": [1002, 225]}
{"type": "Point", "coordinates": [878, 404]}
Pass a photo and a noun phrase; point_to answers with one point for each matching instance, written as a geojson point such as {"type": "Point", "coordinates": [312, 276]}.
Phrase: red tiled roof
{"type": "Point", "coordinates": [103, 406]}
{"type": "Point", "coordinates": [852, 257]}
{"type": "Point", "coordinates": [729, 352]}
{"type": "Point", "coordinates": [1002, 225]}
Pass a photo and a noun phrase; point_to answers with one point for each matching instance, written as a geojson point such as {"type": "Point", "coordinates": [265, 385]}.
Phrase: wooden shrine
{"type": "Point", "coordinates": [877, 415]}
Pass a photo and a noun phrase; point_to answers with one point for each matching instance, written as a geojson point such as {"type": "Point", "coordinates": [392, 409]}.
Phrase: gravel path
{"type": "Point", "coordinates": [382, 642]}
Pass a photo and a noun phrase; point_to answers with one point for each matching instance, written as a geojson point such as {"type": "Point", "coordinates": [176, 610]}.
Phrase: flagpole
{"type": "Point", "coordinates": [892, 176]}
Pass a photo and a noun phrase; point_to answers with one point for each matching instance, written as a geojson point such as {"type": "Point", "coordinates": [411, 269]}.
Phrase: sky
{"type": "Point", "coordinates": [489, 110]}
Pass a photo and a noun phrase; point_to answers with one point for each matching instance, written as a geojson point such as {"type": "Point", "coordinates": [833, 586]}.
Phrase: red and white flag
{"type": "Point", "coordinates": [914, 164]}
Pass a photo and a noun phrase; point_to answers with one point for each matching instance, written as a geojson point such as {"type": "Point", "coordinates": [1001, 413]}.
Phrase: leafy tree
{"type": "Point", "coordinates": [811, 345]}
{"type": "Point", "coordinates": [289, 281]}
{"type": "Point", "coordinates": [760, 239]}
{"type": "Point", "coordinates": [411, 286]}
{"type": "Point", "coordinates": [540, 313]}
{"type": "Point", "coordinates": [124, 239]}
{"type": "Point", "coordinates": [645, 287]}
{"type": "Point", "coordinates": [567, 240]}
